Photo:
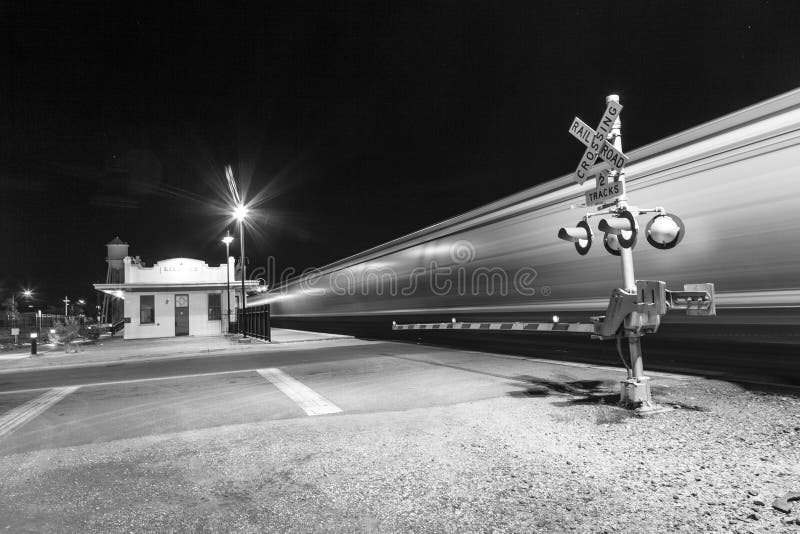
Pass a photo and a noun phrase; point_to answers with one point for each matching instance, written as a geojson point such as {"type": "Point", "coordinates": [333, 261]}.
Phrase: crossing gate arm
{"type": "Point", "coordinates": [633, 312]}
{"type": "Point", "coordinates": [572, 328]}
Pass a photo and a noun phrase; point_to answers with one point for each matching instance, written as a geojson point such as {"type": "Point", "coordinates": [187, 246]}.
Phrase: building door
{"type": "Point", "coordinates": [181, 315]}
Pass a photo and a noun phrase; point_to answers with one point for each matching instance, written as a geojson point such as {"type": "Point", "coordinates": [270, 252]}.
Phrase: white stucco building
{"type": "Point", "coordinates": [175, 297]}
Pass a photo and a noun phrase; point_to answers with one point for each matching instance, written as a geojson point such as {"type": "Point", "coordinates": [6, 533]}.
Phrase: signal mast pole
{"type": "Point", "coordinates": [636, 381]}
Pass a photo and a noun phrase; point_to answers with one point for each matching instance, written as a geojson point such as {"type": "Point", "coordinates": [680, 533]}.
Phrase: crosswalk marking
{"type": "Point", "coordinates": [309, 400]}
{"type": "Point", "coordinates": [22, 414]}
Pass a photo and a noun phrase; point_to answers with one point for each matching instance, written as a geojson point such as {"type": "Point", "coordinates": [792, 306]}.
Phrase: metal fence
{"type": "Point", "coordinates": [254, 322]}
{"type": "Point", "coordinates": [32, 321]}
{"type": "Point", "coordinates": [28, 323]}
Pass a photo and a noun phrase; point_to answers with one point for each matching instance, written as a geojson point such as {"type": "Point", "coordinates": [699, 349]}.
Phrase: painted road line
{"type": "Point", "coordinates": [309, 400]}
{"type": "Point", "coordinates": [22, 414]}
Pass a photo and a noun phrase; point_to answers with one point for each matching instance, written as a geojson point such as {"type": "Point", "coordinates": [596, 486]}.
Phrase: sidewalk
{"type": "Point", "coordinates": [113, 349]}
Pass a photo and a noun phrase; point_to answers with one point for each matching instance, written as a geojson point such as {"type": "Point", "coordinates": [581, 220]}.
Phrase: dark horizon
{"type": "Point", "coordinates": [354, 124]}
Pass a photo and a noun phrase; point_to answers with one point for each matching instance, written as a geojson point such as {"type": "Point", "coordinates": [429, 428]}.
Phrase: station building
{"type": "Point", "coordinates": [176, 297]}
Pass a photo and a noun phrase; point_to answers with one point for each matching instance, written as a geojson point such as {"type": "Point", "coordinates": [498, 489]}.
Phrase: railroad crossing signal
{"type": "Point", "coordinates": [620, 231]}
{"type": "Point", "coordinates": [636, 308]}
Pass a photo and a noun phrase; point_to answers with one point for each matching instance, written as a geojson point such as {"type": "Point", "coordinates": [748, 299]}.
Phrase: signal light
{"type": "Point", "coordinates": [623, 223]}
{"type": "Point", "coordinates": [665, 231]}
{"type": "Point", "coordinates": [611, 244]}
{"type": "Point", "coordinates": [581, 235]}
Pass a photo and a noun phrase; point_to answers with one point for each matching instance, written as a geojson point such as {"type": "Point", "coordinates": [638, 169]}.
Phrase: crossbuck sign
{"type": "Point", "coordinates": [597, 148]}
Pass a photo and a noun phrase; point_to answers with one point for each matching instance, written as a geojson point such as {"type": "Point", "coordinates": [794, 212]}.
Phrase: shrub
{"type": "Point", "coordinates": [67, 332]}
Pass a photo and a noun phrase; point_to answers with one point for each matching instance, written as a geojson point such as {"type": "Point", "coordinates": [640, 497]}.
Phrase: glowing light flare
{"type": "Point", "coordinates": [240, 212]}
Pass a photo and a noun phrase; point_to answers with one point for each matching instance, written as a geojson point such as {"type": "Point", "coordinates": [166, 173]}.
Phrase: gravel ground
{"type": "Point", "coordinates": [531, 462]}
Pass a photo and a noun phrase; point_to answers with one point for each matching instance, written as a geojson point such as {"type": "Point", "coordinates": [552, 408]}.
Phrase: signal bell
{"type": "Point", "coordinates": [581, 235]}
{"type": "Point", "coordinates": [665, 231]}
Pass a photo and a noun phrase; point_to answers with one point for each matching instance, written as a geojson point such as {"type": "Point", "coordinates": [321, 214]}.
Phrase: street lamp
{"type": "Point", "coordinates": [66, 302]}
{"type": "Point", "coordinates": [27, 293]}
{"type": "Point", "coordinates": [240, 212]}
{"type": "Point", "coordinates": [227, 240]}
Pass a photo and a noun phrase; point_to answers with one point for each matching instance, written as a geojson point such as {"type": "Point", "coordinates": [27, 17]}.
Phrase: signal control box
{"type": "Point", "coordinates": [640, 312]}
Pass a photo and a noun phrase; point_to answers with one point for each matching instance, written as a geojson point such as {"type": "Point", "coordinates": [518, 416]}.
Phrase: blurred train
{"type": "Point", "coordinates": [734, 181]}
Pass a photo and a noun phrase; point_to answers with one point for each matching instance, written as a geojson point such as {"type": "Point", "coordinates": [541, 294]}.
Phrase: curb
{"type": "Point", "coordinates": [157, 357]}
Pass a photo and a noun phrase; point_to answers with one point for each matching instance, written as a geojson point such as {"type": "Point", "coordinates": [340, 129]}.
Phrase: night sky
{"type": "Point", "coordinates": [350, 123]}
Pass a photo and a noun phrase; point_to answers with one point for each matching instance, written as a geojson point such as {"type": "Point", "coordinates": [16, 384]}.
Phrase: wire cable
{"type": "Point", "coordinates": [621, 357]}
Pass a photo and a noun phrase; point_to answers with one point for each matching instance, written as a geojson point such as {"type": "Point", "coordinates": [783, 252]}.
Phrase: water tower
{"type": "Point", "coordinates": [112, 309]}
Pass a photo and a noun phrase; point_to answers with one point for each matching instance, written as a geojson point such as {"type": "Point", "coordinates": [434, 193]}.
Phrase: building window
{"type": "Point", "coordinates": [147, 309]}
{"type": "Point", "coordinates": [214, 306]}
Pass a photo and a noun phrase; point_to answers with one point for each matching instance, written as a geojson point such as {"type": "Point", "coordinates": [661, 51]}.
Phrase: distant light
{"type": "Point", "coordinates": [81, 301]}
{"type": "Point", "coordinates": [453, 320]}
{"type": "Point", "coordinates": [34, 335]}
{"type": "Point", "coordinates": [240, 212]}
{"type": "Point", "coordinates": [52, 330]}
{"type": "Point", "coordinates": [227, 239]}
{"type": "Point", "coordinates": [28, 293]}
{"type": "Point", "coordinates": [555, 318]}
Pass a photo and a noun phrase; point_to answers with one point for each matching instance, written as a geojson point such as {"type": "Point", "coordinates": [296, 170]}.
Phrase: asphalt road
{"type": "Point", "coordinates": [324, 436]}
{"type": "Point", "coordinates": [65, 407]}
{"type": "Point", "coordinates": [70, 406]}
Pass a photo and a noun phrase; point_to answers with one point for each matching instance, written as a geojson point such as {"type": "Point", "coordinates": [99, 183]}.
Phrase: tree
{"type": "Point", "coordinates": [6, 306]}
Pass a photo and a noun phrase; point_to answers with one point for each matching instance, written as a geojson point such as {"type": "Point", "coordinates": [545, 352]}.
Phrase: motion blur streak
{"type": "Point", "coordinates": [733, 181]}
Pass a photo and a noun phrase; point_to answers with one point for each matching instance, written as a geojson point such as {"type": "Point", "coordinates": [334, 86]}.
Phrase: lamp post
{"type": "Point", "coordinates": [27, 293]}
{"type": "Point", "coordinates": [240, 212]}
{"type": "Point", "coordinates": [227, 240]}
{"type": "Point", "coordinates": [66, 302]}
